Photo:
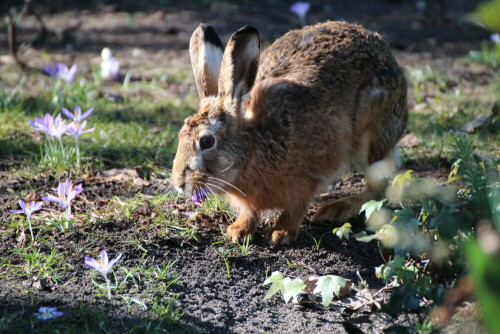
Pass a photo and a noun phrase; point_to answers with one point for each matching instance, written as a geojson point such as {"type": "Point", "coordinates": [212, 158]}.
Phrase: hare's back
{"type": "Point", "coordinates": [327, 53]}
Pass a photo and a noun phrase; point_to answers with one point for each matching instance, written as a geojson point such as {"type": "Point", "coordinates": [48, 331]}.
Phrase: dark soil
{"type": "Point", "coordinates": [213, 302]}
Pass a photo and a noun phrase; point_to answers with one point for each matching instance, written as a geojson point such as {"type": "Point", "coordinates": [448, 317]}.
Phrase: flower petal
{"type": "Point", "coordinates": [22, 204]}
{"type": "Point", "coordinates": [116, 259]}
{"type": "Point", "coordinates": [51, 198]}
{"type": "Point", "coordinates": [93, 263]}
{"type": "Point", "coordinates": [16, 211]}
{"type": "Point", "coordinates": [68, 113]}
{"type": "Point", "coordinates": [87, 113]}
{"type": "Point", "coordinates": [104, 259]}
{"type": "Point", "coordinates": [36, 206]}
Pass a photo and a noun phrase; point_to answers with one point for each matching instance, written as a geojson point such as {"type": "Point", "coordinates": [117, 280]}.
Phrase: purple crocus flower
{"type": "Point", "coordinates": [200, 196]}
{"type": "Point", "coordinates": [102, 265]}
{"type": "Point", "coordinates": [300, 9]}
{"type": "Point", "coordinates": [45, 313]}
{"type": "Point", "coordinates": [61, 71]}
{"type": "Point", "coordinates": [50, 126]}
{"type": "Point", "coordinates": [76, 129]}
{"type": "Point", "coordinates": [53, 69]}
{"type": "Point", "coordinates": [58, 127]}
{"type": "Point", "coordinates": [76, 115]}
{"type": "Point", "coordinates": [66, 192]}
{"type": "Point", "coordinates": [28, 208]}
{"type": "Point", "coordinates": [110, 66]}
{"type": "Point", "coordinates": [42, 124]}
{"type": "Point", "coordinates": [495, 38]}
{"type": "Point", "coordinates": [68, 75]}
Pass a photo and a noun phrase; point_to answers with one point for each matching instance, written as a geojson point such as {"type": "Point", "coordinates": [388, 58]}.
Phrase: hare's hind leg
{"type": "Point", "coordinates": [376, 176]}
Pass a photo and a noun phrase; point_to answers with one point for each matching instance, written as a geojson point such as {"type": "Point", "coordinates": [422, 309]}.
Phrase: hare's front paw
{"type": "Point", "coordinates": [279, 236]}
{"type": "Point", "coordinates": [238, 231]}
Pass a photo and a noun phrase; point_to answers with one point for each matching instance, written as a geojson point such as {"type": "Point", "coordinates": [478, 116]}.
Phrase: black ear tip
{"type": "Point", "coordinates": [210, 36]}
{"type": "Point", "coordinates": [247, 30]}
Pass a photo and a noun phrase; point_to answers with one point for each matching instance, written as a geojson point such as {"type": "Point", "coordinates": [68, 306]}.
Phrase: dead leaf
{"type": "Point", "coordinates": [409, 140]}
{"type": "Point", "coordinates": [346, 290]}
{"type": "Point", "coordinates": [43, 284]}
{"type": "Point", "coordinates": [363, 300]}
{"type": "Point", "coordinates": [126, 175]}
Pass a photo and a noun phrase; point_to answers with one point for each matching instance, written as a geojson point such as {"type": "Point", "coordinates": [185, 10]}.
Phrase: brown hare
{"type": "Point", "coordinates": [272, 130]}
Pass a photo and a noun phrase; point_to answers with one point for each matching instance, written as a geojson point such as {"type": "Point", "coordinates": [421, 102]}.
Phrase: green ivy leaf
{"type": "Point", "coordinates": [365, 237]}
{"type": "Point", "coordinates": [405, 220]}
{"type": "Point", "coordinates": [453, 176]}
{"type": "Point", "coordinates": [276, 280]}
{"type": "Point", "coordinates": [386, 271]}
{"type": "Point", "coordinates": [286, 285]}
{"type": "Point", "coordinates": [343, 231]}
{"type": "Point", "coordinates": [403, 298]}
{"type": "Point", "coordinates": [292, 288]}
{"type": "Point", "coordinates": [329, 285]}
{"type": "Point", "coordinates": [402, 178]}
{"type": "Point", "coordinates": [371, 206]}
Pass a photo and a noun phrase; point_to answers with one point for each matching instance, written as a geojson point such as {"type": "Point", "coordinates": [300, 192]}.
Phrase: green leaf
{"type": "Point", "coordinates": [293, 265]}
{"type": "Point", "coordinates": [276, 280]}
{"type": "Point", "coordinates": [403, 298]}
{"type": "Point", "coordinates": [365, 237]}
{"type": "Point", "coordinates": [343, 231]}
{"type": "Point", "coordinates": [292, 288]}
{"type": "Point", "coordinates": [327, 286]}
{"type": "Point", "coordinates": [402, 178]}
{"type": "Point", "coordinates": [286, 285]}
{"type": "Point", "coordinates": [405, 214]}
{"type": "Point", "coordinates": [448, 223]}
{"type": "Point", "coordinates": [386, 271]}
{"type": "Point", "coordinates": [488, 14]}
{"type": "Point", "coordinates": [453, 176]}
{"type": "Point", "coordinates": [405, 220]}
{"type": "Point", "coordinates": [485, 271]}
{"type": "Point", "coordinates": [371, 206]}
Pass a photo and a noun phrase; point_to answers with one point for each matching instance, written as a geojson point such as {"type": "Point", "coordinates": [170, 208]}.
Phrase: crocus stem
{"type": "Point", "coordinates": [62, 149]}
{"type": "Point", "coordinates": [303, 21]}
{"type": "Point", "coordinates": [31, 229]}
{"type": "Point", "coordinates": [77, 153]}
{"type": "Point", "coordinates": [68, 212]}
{"type": "Point", "coordinates": [107, 285]}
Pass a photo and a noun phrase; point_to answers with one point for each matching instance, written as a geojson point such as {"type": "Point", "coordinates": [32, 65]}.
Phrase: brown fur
{"type": "Point", "coordinates": [325, 97]}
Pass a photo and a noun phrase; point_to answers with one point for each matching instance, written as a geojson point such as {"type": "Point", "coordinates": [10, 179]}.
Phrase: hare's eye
{"type": "Point", "coordinates": [207, 142]}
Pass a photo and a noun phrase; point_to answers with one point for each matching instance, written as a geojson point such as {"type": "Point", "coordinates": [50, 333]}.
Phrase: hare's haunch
{"type": "Point", "coordinates": [272, 129]}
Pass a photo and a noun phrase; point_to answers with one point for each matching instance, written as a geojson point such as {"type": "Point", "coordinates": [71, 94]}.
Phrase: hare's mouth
{"type": "Point", "coordinates": [200, 195]}
{"type": "Point", "coordinates": [211, 185]}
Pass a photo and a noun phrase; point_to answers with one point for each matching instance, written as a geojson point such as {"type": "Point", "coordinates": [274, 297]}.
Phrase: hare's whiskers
{"type": "Point", "coordinates": [231, 165]}
{"type": "Point", "coordinates": [229, 184]}
{"type": "Point", "coordinates": [216, 186]}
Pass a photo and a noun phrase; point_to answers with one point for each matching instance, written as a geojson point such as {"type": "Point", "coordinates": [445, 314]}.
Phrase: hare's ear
{"type": "Point", "coordinates": [239, 68]}
{"type": "Point", "coordinates": [206, 50]}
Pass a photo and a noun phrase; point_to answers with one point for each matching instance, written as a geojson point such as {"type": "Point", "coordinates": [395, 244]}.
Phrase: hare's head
{"type": "Point", "coordinates": [210, 152]}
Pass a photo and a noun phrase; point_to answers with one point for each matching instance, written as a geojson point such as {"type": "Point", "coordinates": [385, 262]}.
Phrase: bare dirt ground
{"type": "Point", "coordinates": [151, 38]}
